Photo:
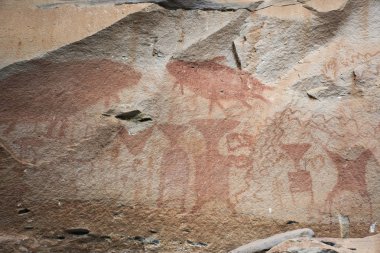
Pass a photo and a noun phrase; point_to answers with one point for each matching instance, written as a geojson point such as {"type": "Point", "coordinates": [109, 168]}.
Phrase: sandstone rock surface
{"type": "Point", "coordinates": [329, 245]}
{"type": "Point", "coordinates": [28, 30]}
{"type": "Point", "coordinates": [195, 122]}
{"type": "Point", "coordinates": [270, 242]}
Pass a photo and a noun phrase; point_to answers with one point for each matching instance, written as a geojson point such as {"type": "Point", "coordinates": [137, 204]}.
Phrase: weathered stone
{"type": "Point", "coordinates": [197, 244]}
{"type": "Point", "coordinates": [329, 245]}
{"type": "Point", "coordinates": [178, 4]}
{"type": "Point", "coordinates": [310, 250]}
{"type": "Point", "coordinates": [227, 147]}
{"type": "Point", "coordinates": [33, 31]}
{"type": "Point", "coordinates": [270, 242]}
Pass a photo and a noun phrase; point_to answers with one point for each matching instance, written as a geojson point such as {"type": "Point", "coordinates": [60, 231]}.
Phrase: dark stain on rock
{"type": "Point", "coordinates": [145, 119]}
{"type": "Point", "coordinates": [23, 211]}
{"type": "Point", "coordinates": [328, 243]}
{"type": "Point", "coordinates": [197, 244]}
{"type": "Point", "coordinates": [135, 116]}
{"type": "Point", "coordinates": [290, 222]}
{"type": "Point", "coordinates": [60, 237]}
{"type": "Point", "coordinates": [77, 231]}
{"type": "Point", "coordinates": [128, 115]}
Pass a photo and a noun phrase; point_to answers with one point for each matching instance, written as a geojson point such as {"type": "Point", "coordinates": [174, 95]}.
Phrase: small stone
{"type": "Point", "coordinates": [152, 241]}
{"type": "Point", "coordinates": [270, 242]}
{"type": "Point", "coordinates": [315, 93]}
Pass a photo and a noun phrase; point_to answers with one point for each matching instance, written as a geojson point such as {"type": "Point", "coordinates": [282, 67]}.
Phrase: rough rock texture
{"type": "Point", "coordinates": [211, 128]}
{"type": "Point", "coordinates": [28, 31]}
{"type": "Point", "coordinates": [270, 242]}
{"type": "Point", "coordinates": [222, 5]}
{"type": "Point", "coordinates": [329, 245]}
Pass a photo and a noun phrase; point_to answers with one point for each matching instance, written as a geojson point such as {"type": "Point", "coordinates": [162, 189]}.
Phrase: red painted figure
{"type": "Point", "coordinates": [299, 180]}
{"type": "Point", "coordinates": [212, 168]}
{"type": "Point", "coordinates": [351, 177]}
{"type": "Point", "coordinates": [174, 171]}
{"type": "Point", "coordinates": [51, 92]}
{"type": "Point", "coordinates": [216, 82]}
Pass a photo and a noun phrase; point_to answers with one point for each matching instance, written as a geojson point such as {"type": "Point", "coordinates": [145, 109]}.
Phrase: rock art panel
{"type": "Point", "coordinates": [174, 170]}
{"type": "Point", "coordinates": [212, 168]}
{"type": "Point", "coordinates": [139, 174]}
{"type": "Point", "coordinates": [216, 82]}
{"type": "Point", "coordinates": [351, 178]}
{"type": "Point", "coordinates": [134, 143]}
{"type": "Point", "coordinates": [240, 147]}
{"type": "Point", "coordinates": [238, 141]}
{"type": "Point", "coordinates": [219, 142]}
{"type": "Point", "coordinates": [291, 150]}
{"type": "Point", "coordinates": [52, 92]}
{"type": "Point", "coordinates": [299, 180]}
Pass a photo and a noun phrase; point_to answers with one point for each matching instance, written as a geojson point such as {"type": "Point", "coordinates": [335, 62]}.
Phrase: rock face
{"type": "Point", "coordinates": [213, 122]}
{"type": "Point", "coordinates": [29, 29]}
{"type": "Point", "coordinates": [329, 245]}
{"type": "Point", "coordinates": [270, 242]}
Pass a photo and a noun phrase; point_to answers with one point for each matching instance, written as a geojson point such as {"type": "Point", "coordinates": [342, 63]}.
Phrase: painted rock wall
{"type": "Point", "coordinates": [269, 113]}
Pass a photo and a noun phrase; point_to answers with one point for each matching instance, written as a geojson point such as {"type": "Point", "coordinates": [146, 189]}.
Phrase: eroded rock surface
{"type": "Point", "coordinates": [28, 30]}
{"type": "Point", "coordinates": [329, 245]}
{"type": "Point", "coordinates": [206, 126]}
